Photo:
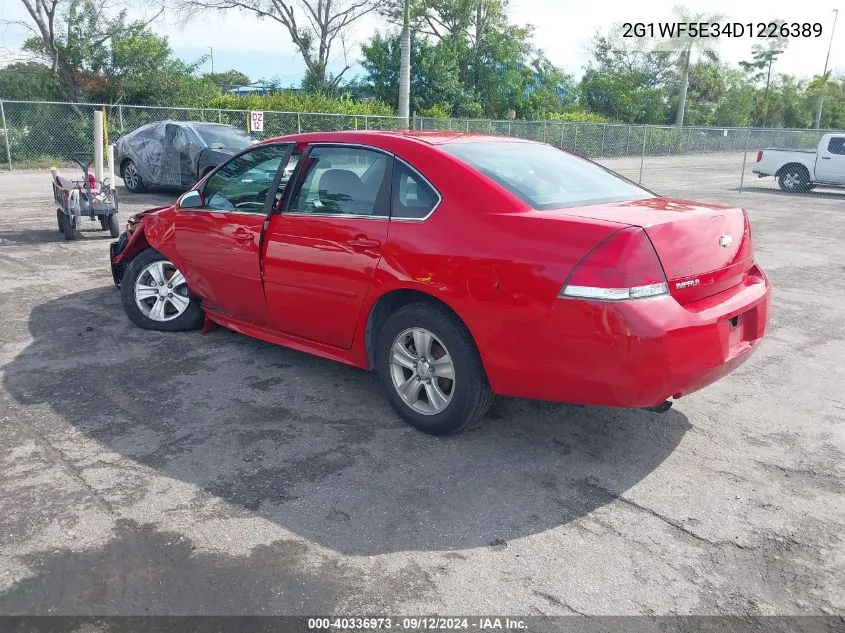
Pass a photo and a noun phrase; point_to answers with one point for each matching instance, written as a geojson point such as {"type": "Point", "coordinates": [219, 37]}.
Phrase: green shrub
{"type": "Point", "coordinates": [300, 102]}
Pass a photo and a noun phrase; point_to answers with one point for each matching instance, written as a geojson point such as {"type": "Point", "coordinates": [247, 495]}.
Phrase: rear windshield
{"type": "Point", "coordinates": [220, 136]}
{"type": "Point", "coordinates": [543, 176]}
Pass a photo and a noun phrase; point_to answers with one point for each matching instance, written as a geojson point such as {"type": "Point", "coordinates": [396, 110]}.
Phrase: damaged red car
{"type": "Point", "coordinates": [457, 266]}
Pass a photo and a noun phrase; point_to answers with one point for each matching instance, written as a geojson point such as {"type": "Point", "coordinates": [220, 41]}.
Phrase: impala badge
{"type": "Point", "coordinates": [725, 240]}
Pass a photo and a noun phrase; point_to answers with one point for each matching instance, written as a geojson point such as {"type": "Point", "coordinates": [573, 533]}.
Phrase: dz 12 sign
{"type": "Point", "coordinates": [256, 121]}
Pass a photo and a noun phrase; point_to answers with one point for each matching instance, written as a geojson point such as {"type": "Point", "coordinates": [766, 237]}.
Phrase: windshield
{"type": "Point", "coordinates": [544, 176]}
{"type": "Point", "coordinates": [219, 136]}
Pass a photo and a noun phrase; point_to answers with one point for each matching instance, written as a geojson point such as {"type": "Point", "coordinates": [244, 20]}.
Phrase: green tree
{"type": "Point", "coordinates": [28, 81]}
{"type": "Point", "coordinates": [685, 48]}
{"type": "Point", "coordinates": [72, 38]}
{"type": "Point", "coordinates": [763, 57]}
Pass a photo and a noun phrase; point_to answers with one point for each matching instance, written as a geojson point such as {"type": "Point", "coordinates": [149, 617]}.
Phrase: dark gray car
{"type": "Point", "coordinates": [175, 153]}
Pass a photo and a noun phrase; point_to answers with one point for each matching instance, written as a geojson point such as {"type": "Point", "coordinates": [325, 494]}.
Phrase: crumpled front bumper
{"type": "Point", "coordinates": [117, 270]}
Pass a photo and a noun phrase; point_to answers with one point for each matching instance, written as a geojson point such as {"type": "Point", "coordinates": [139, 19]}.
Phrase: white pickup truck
{"type": "Point", "coordinates": [801, 170]}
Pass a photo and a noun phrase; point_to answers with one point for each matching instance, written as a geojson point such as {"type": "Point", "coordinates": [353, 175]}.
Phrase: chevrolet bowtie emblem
{"type": "Point", "coordinates": [725, 240]}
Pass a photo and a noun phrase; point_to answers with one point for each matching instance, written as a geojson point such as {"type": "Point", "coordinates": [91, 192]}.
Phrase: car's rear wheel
{"type": "Point", "coordinates": [132, 179]}
{"type": "Point", "coordinates": [112, 226]}
{"type": "Point", "coordinates": [59, 216]}
{"type": "Point", "coordinates": [794, 178]}
{"type": "Point", "coordinates": [429, 366]}
{"type": "Point", "coordinates": [155, 295]}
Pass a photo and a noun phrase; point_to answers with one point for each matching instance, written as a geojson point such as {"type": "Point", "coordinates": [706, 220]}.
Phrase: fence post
{"type": "Point", "coordinates": [563, 134]}
{"type": "Point", "coordinates": [628, 140]}
{"type": "Point", "coordinates": [298, 123]}
{"type": "Point", "coordinates": [509, 127]}
{"type": "Point", "coordinates": [467, 125]}
{"type": "Point", "coordinates": [120, 116]}
{"type": "Point", "coordinates": [6, 135]}
{"type": "Point", "coordinates": [220, 116]}
{"type": "Point", "coordinates": [575, 142]}
{"type": "Point", "coordinates": [642, 155]}
{"type": "Point", "coordinates": [744, 158]}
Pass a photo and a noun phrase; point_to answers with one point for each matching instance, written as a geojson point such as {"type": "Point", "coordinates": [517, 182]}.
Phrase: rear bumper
{"type": "Point", "coordinates": [632, 353]}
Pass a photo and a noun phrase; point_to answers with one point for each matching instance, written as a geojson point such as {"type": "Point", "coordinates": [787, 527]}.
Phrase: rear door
{"type": "Point", "coordinates": [830, 164]}
{"type": "Point", "coordinates": [323, 248]}
{"type": "Point", "coordinates": [219, 242]}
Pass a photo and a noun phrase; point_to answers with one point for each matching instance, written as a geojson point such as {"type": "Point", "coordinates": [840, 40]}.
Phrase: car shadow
{"type": "Point", "coordinates": [313, 445]}
{"type": "Point", "coordinates": [815, 193]}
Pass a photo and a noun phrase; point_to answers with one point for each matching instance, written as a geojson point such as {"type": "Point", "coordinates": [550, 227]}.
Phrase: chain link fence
{"type": "Point", "coordinates": [664, 158]}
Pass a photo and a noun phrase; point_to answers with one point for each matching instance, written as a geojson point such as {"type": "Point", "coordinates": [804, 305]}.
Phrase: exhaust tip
{"type": "Point", "coordinates": [663, 407]}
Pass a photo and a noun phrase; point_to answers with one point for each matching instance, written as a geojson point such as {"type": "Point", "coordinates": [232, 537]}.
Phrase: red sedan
{"type": "Point", "coordinates": [457, 266]}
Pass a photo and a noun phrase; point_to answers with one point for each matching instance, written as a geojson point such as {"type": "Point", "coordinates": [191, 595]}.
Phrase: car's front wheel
{"type": "Point", "coordinates": [155, 295]}
{"type": "Point", "coordinates": [429, 366]}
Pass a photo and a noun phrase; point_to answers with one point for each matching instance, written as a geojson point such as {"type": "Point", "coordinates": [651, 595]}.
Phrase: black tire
{"type": "Point", "coordinates": [111, 224]}
{"type": "Point", "coordinates": [104, 222]}
{"type": "Point", "coordinates": [470, 391]}
{"type": "Point", "coordinates": [191, 319]}
{"type": "Point", "coordinates": [68, 228]}
{"type": "Point", "coordinates": [59, 221]}
{"type": "Point", "coordinates": [794, 179]}
{"type": "Point", "coordinates": [132, 179]}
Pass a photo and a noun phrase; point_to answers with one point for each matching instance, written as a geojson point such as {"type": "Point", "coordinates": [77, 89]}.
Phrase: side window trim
{"type": "Point", "coordinates": [384, 195]}
{"type": "Point", "coordinates": [415, 172]}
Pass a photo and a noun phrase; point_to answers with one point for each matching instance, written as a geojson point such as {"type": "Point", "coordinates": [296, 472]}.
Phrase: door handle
{"type": "Point", "coordinates": [242, 236]}
{"type": "Point", "coordinates": [825, 157]}
{"type": "Point", "coordinates": [363, 242]}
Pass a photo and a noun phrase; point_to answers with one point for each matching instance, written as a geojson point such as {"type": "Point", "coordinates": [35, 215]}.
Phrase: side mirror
{"type": "Point", "coordinates": [190, 200]}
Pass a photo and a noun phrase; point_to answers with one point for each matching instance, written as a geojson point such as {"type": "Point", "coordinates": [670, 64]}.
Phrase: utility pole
{"type": "Point", "coordinates": [405, 66]}
{"type": "Point", "coordinates": [211, 50]}
{"type": "Point", "coordinates": [826, 60]}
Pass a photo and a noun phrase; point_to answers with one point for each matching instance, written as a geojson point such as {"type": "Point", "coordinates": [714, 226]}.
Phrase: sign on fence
{"type": "Point", "coordinates": [256, 121]}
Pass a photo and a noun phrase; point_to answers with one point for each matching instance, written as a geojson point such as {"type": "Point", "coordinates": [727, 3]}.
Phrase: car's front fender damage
{"type": "Point", "coordinates": [150, 229]}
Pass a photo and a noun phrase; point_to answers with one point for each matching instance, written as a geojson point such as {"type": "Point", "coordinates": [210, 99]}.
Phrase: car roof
{"type": "Point", "coordinates": [429, 137]}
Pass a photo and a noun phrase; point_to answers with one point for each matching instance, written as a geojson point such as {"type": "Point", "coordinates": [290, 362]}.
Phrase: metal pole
{"type": "Point", "coordinates": [545, 131]}
{"type": "Point", "coordinates": [628, 141]}
{"type": "Point", "coordinates": [575, 143]}
{"type": "Point", "coordinates": [509, 128]}
{"type": "Point", "coordinates": [562, 135]}
{"type": "Point", "coordinates": [745, 158]}
{"type": "Point", "coordinates": [220, 116]}
{"type": "Point", "coordinates": [298, 123]}
{"type": "Point", "coordinates": [6, 135]}
{"type": "Point", "coordinates": [642, 155]}
{"type": "Point", "coordinates": [467, 124]}
{"type": "Point", "coordinates": [366, 122]}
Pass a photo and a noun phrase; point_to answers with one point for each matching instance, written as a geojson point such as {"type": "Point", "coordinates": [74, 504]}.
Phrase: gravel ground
{"type": "Point", "coordinates": [147, 473]}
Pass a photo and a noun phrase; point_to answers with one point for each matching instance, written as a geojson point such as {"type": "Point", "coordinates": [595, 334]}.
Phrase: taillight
{"type": "Point", "coordinates": [623, 266]}
{"type": "Point", "coordinates": [759, 155]}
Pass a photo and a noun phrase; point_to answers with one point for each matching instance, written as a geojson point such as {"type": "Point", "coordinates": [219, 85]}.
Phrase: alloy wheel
{"type": "Point", "coordinates": [422, 371]}
{"type": "Point", "coordinates": [161, 292]}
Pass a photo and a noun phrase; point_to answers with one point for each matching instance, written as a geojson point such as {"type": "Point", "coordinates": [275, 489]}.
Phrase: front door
{"type": "Point", "coordinates": [219, 242]}
{"type": "Point", "coordinates": [323, 248]}
{"type": "Point", "coordinates": [830, 164]}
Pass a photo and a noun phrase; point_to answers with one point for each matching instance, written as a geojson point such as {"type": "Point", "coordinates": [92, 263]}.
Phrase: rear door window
{"type": "Point", "coordinates": [413, 198]}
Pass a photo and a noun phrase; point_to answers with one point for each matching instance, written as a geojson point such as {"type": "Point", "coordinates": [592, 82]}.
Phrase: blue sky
{"type": "Point", "coordinates": [563, 29]}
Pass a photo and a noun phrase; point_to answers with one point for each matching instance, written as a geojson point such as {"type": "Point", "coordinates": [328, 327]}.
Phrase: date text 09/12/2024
{"type": "Point", "coordinates": [721, 29]}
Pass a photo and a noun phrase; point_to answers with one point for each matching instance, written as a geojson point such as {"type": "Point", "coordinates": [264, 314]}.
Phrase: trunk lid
{"type": "Point", "coordinates": [703, 248]}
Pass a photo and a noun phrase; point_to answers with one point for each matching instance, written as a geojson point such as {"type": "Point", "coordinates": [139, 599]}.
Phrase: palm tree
{"type": "Point", "coordinates": [685, 48]}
